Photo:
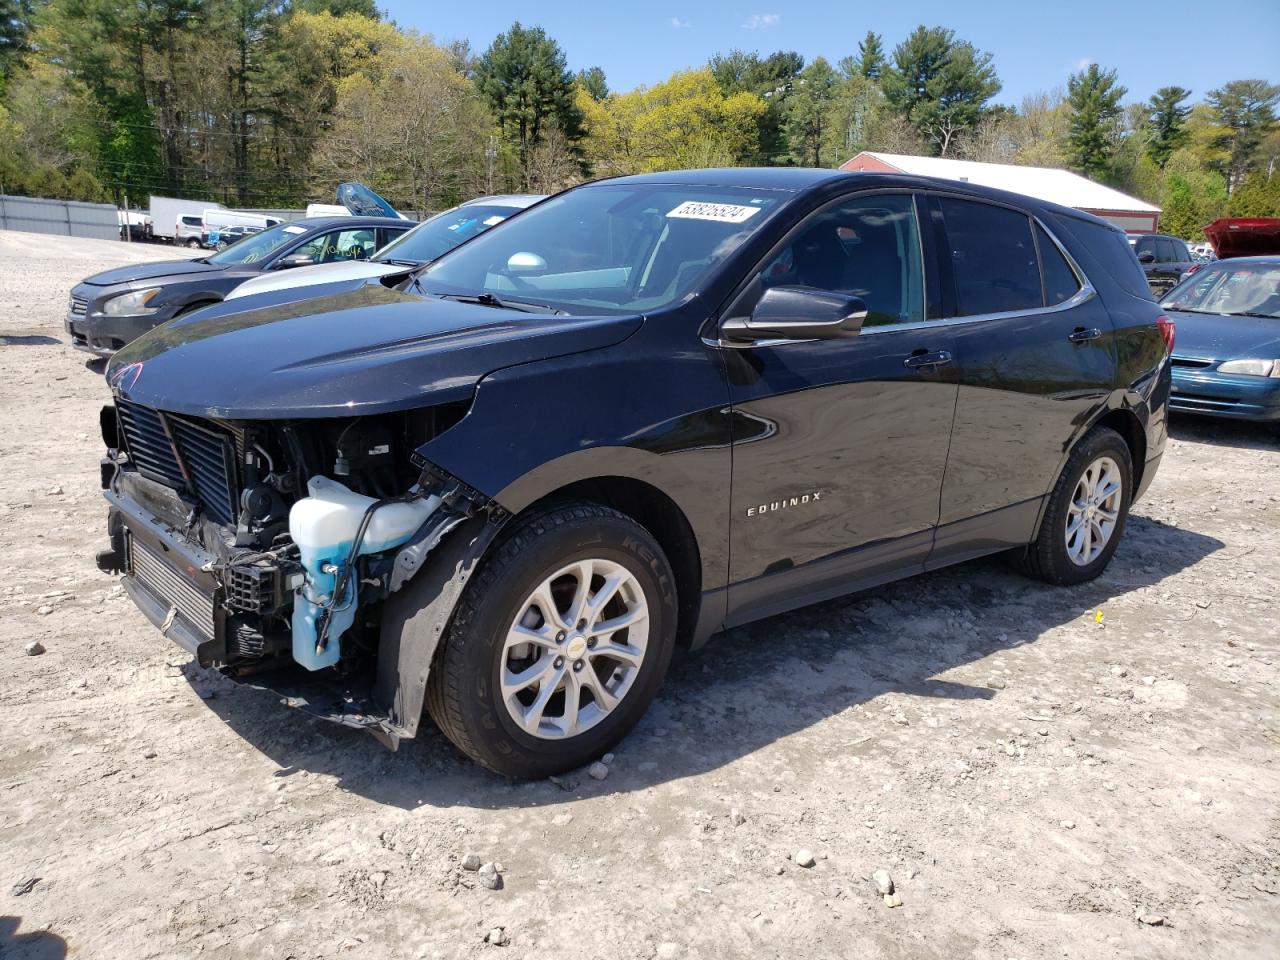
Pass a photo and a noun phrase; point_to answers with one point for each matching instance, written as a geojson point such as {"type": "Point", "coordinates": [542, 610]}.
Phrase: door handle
{"type": "Point", "coordinates": [1084, 334]}
{"type": "Point", "coordinates": [922, 358]}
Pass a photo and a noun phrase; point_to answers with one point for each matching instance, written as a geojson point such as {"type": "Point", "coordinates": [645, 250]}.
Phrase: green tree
{"type": "Point", "coordinates": [770, 78]}
{"type": "Point", "coordinates": [338, 8]}
{"type": "Point", "coordinates": [1167, 121]}
{"type": "Point", "coordinates": [809, 113]}
{"type": "Point", "coordinates": [1245, 109]}
{"type": "Point", "coordinates": [685, 121]}
{"type": "Point", "coordinates": [1094, 100]}
{"type": "Point", "coordinates": [1257, 196]}
{"type": "Point", "coordinates": [1191, 195]}
{"type": "Point", "coordinates": [940, 84]}
{"type": "Point", "coordinates": [524, 79]}
{"type": "Point", "coordinates": [870, 61]}
{"type": "Point", "coordinates": [593, 81]}
{"type": "Point", "coordinates": [15, 27]}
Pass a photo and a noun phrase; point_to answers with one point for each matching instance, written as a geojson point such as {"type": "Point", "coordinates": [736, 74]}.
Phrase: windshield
{"type": "Point", "coordinates": [443, 232]}
{"type": "Point", "coordinates": [1230, 287]}
{"type": "Point", "coordinates": [611, 247]}
{"type": "Point", "coordinates": [257, 246]}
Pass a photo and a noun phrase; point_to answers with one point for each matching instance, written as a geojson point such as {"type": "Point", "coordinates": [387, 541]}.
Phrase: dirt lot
{"type": "Point", "coordinates": [1090, 772]}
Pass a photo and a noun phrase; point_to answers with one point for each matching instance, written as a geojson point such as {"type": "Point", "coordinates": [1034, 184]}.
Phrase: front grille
{"type": "Point", "coordinates": [206, 451]}
{"type": "Point", "coordinates": [79, 305]}
{"type": "Point", "coordinates": [155, 573]}
{"type": "Point", "coordinates": [1190, 362]}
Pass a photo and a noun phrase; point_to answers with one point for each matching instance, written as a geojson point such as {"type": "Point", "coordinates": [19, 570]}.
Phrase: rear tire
{"type": "Point", "coordinates": [193, 243]}
{"type": "Point", "coordinates": [528, 691]}
{"type": "Point", "coordinates": [1085, 516]}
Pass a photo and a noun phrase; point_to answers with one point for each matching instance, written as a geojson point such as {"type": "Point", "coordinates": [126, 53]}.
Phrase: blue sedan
{"type": "Point", "coordinates": [1226, 361]}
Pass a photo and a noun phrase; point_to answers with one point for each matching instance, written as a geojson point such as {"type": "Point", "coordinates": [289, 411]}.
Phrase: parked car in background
{"type": "Point", "coordinates": [189, 231]}
{"type": "Point", "coordinates": [639, 412]}
{"type": "Point", "coordinates": [1227, 359]}
{"type": "Point", "coordinates": [223, 237]}
{"type": "Point", "coordinates": [1164, 259]}
{"type": "Point", "coordinates": [424, 243]}
{"type": "Point", "coordinates": [110, 309]}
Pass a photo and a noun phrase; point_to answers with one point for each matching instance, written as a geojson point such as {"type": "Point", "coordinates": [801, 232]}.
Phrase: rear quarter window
{"type": "Point", "coordinates": [1110, 248]}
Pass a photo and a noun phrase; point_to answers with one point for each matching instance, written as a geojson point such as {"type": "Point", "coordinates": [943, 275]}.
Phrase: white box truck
{"type": "Point", "coordinates": [179, 221]}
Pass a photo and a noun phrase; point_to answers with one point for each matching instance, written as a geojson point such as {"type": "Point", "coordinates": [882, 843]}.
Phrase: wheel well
{"type": "Point", "coordinates": [657, 513]}
{"type": "Point", "coordinates": [1129, 427]}
{"type": "Point", "coordinates": [195, 305]}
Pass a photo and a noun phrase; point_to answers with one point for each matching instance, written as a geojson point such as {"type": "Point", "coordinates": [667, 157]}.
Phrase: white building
{"type": "Point", "coordinates": [1044, 183]}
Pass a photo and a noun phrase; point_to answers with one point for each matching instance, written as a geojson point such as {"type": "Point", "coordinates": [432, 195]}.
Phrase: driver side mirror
{"type": "Point", "coordinates": [295, 260]}
{"type": "Point", "coordinates": [797, 313]}
{"type": "Point", "coordinates": [1146, 256]}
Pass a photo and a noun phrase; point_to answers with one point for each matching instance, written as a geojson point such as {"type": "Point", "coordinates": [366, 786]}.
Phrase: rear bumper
{"type": "Point", "coordinates": [1207, 392]}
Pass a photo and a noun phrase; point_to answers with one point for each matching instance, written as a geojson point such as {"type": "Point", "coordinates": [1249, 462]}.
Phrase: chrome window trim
{"type": "Point", "coordinates": [1086, 292]}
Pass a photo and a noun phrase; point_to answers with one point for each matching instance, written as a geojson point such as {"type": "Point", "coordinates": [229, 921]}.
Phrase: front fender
{"type": "Point", "coordinates": [415, 618]}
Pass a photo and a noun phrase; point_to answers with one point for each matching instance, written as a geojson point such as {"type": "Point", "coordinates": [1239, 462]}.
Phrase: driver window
{"type": "Point", "coordinates": [866, 247]}
{"type": "Point", "coordinates": [338, 245]}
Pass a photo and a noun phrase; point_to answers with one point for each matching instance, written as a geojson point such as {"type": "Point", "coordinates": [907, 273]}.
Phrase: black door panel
{"type": "Point", "coordinates": [844, 483]}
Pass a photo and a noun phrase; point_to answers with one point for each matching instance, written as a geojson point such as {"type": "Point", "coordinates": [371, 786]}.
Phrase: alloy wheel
{"type": "Point", "coordinates": [575, 649]}
{"type": "Point", "coordinates": [1094, 511]}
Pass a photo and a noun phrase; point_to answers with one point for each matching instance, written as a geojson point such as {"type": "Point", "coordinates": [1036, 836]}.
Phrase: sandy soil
{"type": "Point", "coordinates": [1088, 773]}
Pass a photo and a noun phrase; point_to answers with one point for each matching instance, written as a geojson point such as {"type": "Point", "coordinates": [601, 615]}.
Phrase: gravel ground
{"type": "Point", "coordinates": [1042, 772]}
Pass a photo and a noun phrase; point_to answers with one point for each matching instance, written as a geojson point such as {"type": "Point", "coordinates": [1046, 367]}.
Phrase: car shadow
{"type": "Point", "coordinates": [40, 945]}
{"type": "Point", "coordinates": [749, 687]}
{"type": "Point", "coordinates": [9, 340]}
{"type": "Point", "coordinates": [1220, 431]}
{"type": "Point", "coordinates": [96, 365]}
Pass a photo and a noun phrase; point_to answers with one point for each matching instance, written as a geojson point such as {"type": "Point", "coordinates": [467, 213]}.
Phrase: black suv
{"type": "Point", "coordinates": [638, 413]}
{"type": "Point", "coordinates": [1164, 260]}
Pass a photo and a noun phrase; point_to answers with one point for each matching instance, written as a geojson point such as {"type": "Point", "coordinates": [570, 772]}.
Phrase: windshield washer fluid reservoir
{"type": "Point", "coordinates": [324, 524]}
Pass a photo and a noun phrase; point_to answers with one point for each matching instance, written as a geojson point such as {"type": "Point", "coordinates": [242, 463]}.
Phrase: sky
{"type": "Point", "coordinates": [1199, 45]}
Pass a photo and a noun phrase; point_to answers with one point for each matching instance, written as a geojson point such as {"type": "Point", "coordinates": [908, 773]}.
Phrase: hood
{"type": "Point", "coordinates": [1205, 336]}
{"type": "Point", "coordinates": [136, 272]}
{"type": "Point", "coordinates": [320, 273]}
{"type": "Point", "coordinates": [363, 202]}
{"type": "Point", "coordinates": [362, 351]}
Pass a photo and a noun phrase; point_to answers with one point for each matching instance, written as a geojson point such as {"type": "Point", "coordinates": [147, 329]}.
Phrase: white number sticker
{"type": "Point", "coordinates": [720, 212]}
{"type": "Point", "coordinates": [295, 229]}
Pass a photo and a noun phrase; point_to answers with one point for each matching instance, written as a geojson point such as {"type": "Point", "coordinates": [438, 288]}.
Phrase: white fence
{"type": "Point", "coordinates": [67, 218]}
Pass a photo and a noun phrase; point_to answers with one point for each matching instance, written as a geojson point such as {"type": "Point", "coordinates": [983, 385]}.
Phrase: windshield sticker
{"type": "Point", "coordinates": [295, 229]}
{"type": "Point", "coordinates": [494, 219]}
{"type": "Point", "coordinates": [719, 212]}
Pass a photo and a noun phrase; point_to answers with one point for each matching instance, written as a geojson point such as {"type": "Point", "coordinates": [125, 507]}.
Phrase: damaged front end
{"type": "Point", "coordinates": [271, 549]}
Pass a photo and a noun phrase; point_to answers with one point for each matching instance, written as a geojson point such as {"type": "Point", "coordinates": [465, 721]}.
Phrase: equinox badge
{"type": "Point", "coordinates": [784, 504]}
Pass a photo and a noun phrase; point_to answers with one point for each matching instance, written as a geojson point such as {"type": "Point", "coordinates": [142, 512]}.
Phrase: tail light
{"type": "Point", "coordinates": [1168, 332]}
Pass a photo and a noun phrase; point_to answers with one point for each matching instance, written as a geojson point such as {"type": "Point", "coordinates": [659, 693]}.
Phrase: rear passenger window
{"type": "Point", "coordinates": [993, 258]}
{"type": "Point", "coordinates": [1060, 281]}
{"type": "Point", "coordinates": [866, 247]}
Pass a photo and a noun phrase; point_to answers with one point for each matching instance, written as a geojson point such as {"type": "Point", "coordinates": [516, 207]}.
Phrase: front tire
{"type": "Point", "coordinates": [558, 645]}
{"type": "Point", "coordinates": [1086, 514]}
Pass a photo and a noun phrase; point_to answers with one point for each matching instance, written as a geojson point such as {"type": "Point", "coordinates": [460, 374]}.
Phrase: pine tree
{"type": "Point", "coordinates": [524, 78]}
{"type": "Point", "coordinates": [1167, 118]}
{"type": "Point", "coordinates": [940, 84]}
{"type": "Point", "coordinates": [871, 59]}
{"type": "Point", "coordinates": [1246, 110]}
{"type": "Point", "coordinates": [1094, 98]}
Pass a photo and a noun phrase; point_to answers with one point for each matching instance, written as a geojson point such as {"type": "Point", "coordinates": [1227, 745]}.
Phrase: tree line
{"type": "Point", "coordinates": [263, 103]}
